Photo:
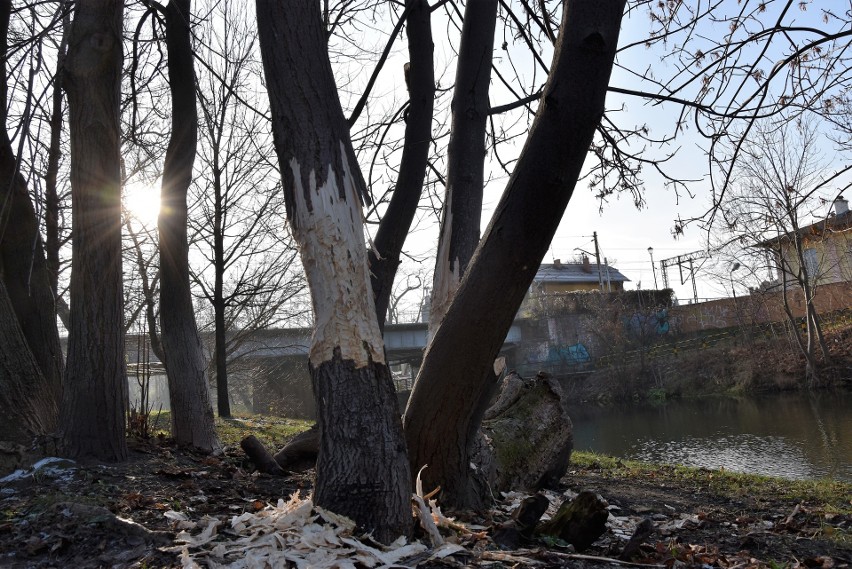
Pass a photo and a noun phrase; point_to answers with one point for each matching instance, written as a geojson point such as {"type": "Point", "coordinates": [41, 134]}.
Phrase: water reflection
{"type": "Point", "coordinates": [790, 435]}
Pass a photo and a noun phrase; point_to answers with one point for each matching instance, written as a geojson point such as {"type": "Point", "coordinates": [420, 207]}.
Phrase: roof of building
{"type": "Point", "coordinates": [576, 273]}
{"type": "Point", "coordinates": [833, 223]}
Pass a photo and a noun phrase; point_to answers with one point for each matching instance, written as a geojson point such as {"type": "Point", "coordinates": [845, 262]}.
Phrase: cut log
{"type": "Point", "coordinates": [580, 521]}
{"type": "Point", "coordinates": [530, 436]}
{"type": "Point", "coordinates": [301, 452]}
{"type": "Point", "coordinates": [260, 456]}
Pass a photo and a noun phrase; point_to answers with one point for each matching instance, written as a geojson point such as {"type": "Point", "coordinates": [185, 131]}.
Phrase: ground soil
{"type": "Point", "coordinates": [113, 516]}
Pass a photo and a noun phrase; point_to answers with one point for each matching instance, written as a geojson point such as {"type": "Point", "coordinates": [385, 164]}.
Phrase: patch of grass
{"type": "Point", "coordinates": [829, 495]}
{"type": "Point", "coordinates": [273, 432]}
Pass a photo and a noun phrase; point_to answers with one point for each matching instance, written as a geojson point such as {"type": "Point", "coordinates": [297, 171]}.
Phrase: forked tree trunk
{"type": "Point", "coordinates": [27, 404]}
{"type": "Point", "coordinates": [465, 157]}
{"type": "Point", "coordinates": [95, 390]}
{"type": "Point", "coordinates": [362, 468]}
{"type": "Point", "coordinates": [22, 261]}
{"type": "Point", "coordinates": [393, 229]}
{"type": "Point", "coordinates": [451, 392]}
{"type": "Point", "coordinates": [192, 412]}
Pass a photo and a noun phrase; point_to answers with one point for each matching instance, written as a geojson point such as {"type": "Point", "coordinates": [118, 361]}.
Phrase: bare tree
{"type": "Point", "coordinates": [780, 182]}
{"type": "Point", "coordinates": [249, 275]}
{"type": "Point", "coordinates": [457, 377]}
{"type": "Point", "coordinates": [465, 156]}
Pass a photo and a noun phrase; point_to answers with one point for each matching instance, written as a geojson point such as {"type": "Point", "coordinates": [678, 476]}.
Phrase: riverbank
{"type": "Point", "coordinates": [740, 364]}
{"type": "Point", "coordinates": [77, 516]}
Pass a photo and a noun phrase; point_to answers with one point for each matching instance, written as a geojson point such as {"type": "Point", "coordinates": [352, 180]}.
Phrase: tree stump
{"type": "Point", "coordinates": [529, 436]}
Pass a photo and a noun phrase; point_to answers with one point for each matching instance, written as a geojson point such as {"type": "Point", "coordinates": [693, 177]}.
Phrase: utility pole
{"type": "Point", "coordinates": [598, 259]}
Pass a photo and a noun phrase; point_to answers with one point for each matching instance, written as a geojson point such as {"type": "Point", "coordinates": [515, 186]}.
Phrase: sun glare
{"type": "Point", "coordinates": [142, 202]}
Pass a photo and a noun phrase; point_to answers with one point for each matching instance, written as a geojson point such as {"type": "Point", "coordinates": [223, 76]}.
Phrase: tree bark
{"type": "Point", "coordinates": [192, 412]}
{"type": "Point", "coordinates": [22, 262]}
{"type": "Point", "coordinates": [362, 468]}
{"type": "Point", "coordinates": [465, 157]}
{"type": "Point", "coordinates": [27, 404]}
{"type": "Point", "coordinates": [92, 420]}
{"type": "Point", "coordinates": [396, 222]}
{"type": "Point", "coordinates": [450, 395]}
{"type": "Point", "coordinates": [220, 351]}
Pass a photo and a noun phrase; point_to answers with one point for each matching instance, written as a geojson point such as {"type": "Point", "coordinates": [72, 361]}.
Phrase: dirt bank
{"type": "Point", "coordinates": [114, 516]}
{"type": "Point", "coordinates": [737, 365]}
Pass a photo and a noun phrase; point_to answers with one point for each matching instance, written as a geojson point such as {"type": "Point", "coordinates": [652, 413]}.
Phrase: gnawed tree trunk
{"type": "Point", "coordinates": [192, 412]}
{"type": "Point", "coordinates": [22, 262]}
{"type": "Point", "coordinates": [525, 444]}
{"type": "Point", "coordinates": [454, 385]}
{"type": "Point", "coordinates": [465, 157]}
{"type": "Point", "coordinates": [362, 468]}
{"type": "Point", "coordinates": [393, 229]}
{"type": "Point", "coordinates": [92, 420]}
{"type": "Point", "coordinates": [27, 403]}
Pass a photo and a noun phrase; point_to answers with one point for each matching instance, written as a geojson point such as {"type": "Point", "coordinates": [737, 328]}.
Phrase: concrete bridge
{"type": "Point", "coordinates": [404, 343]}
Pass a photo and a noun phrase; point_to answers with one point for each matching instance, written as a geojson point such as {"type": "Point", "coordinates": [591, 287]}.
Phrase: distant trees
{"type": "Point", "coordinates": [780, 183]}
{"type": "Point", "coordinates": [245, 267]}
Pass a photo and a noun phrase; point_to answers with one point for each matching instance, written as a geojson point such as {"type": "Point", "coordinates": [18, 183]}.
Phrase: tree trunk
{"type": "Point", "coordinates": [95, 390]}
{"type": "Point", "coordinates": [362, 468]}
{"type": "Point", "coordinates": [192, 413]}
{"type": "Point", "coordinates": [393, 229]}
{"type": "Point", "coordinates": [22, 261]}
{"type": "Point", "coordinates": [52, 242]}
{"type": "Point", "coordinates": [450, 395]}
{"type": "Point", "coordinates": [220, 351]}
{"type": "Point", "coordinates": [27, 404]}
{"type": "Point", "coordinates": [465, 157]}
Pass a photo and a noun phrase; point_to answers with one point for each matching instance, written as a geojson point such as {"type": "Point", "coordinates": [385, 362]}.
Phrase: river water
{"type": "Point", "coordinates": [792, 435]}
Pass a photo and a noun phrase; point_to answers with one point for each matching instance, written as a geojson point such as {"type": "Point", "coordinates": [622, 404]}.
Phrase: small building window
{"type": "Point", "coordinates": [811, 263]}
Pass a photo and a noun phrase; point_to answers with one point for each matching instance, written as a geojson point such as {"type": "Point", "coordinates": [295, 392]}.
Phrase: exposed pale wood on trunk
{"type": "Point", "coordinates": [465, 157]}
{"type": "Point", "coordinates": [362, 468]}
